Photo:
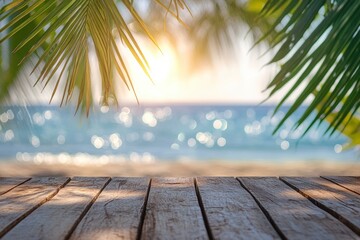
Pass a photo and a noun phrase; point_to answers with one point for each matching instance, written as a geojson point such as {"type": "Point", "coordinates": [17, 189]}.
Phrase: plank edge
{"type": "Point", "coordinates": [25, 180]}
{"type": "Point", "coordinates": [27, 213]}
{"type": "Point", "coordinates": [202, 209]}
{"type": "Point", "coordinates": [143, 211]}
{"type": "Point", "coordinates": [339, 184]}
{"type": "Point", "coordinates": [263, 210]}
{"type": "Point", "coordinates": [318, 204]}
{"type": "Point", "coordinates": [86, 210]}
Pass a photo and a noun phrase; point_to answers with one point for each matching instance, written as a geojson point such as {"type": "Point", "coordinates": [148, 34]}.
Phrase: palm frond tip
{"type": "Point", "coordinates": [68, 29]}
{"type": "Point", "coordinates": [318, 43]}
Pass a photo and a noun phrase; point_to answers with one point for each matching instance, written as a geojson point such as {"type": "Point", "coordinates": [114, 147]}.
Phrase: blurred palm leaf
{"type": "Point", "coordinates": [221, 24]}
{"type": "Point", "coordinates": [350, 126]}
{"type": "Point", "coordinates": [351, 129]}
{"type": "Point", "coordinates": [69, 29]}
{"type": "Point", "coordinates": [218, 25]}
{"type": "Point", "coordinates": [11, 67]}
{"type": "Point", "coordinates": [213, 29]}
{"type": "Point", "coordinates": [318, 42]}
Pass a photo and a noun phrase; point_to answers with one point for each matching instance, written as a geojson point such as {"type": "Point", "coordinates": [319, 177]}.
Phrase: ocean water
{"type": "Point", "coordinates": [165, 133]}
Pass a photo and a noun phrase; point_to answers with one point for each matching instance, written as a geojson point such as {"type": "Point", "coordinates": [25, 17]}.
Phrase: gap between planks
{"type": "Point", "coordinates": [198, 197]}
{"type": "Point", "coordinates": [82, 215]}
{"type": "Point", "coordinates": [173, 210]}
{"type": "Point", "coordinates": [143, 213]}
{"type": "Point", "coordinates": [69, 231]}
{"type": "Point", "coordinates": [294, 215]}
{"type": "Point", "coordinates": [203, 212]}
{"type": "Point", "coordinates": [348, 218]}
{"type": "Point", "coordinates": [231, 211]}
{"type": "Point", "coordinates": [117, 212]}
{"type": "Point", "coordinates": [14, 220]}
{"type": "Point", "coordinates": [263, 209]}
{"type": "Point", "coordinates": [350, 183]}
{"type": "Point", "coordinates": [8, 184]}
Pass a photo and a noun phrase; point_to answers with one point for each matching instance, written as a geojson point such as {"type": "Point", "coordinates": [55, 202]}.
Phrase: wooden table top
{"type": "Point", "coordinates": [180, 208]}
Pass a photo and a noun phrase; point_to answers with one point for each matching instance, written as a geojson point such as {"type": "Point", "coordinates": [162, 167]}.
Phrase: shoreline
{"type": "Point", "coordinates": [188, 168]}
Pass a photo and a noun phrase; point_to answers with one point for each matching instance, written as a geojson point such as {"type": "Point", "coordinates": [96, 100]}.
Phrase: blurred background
{"type": "Point", "coordinates": [201, 111]}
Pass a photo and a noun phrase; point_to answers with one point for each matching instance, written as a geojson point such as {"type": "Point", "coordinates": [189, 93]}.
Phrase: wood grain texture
{"type": "Point", "coordinates": [6, 184]}
{"type": "Point", "coordinates": [22, 200]}
{"type": "Point", "coordinates": [56, 218]}
{"type": "Point", "coordinates": [116, 214]}
{"type": "Point", "coordinates": [173, 211]}
{"type": "Point", "coordinates": [294, 215]}
{"type": "Point", "coordinates": [231, 211]}
{"type": "Point", "coordinates": [350, 183]}
{"type": "Point", "coordinates": [341, 203]}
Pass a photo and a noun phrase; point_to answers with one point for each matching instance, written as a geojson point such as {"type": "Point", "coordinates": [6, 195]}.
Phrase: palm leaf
{"type": "Point", "coordinates": [12, 64]}
{"type": "Point", "coordinates": [318, 43]}
{"type": "Point", "coordinates": [62, 33]}
{"type": "Point", "coordinates": [350, 126]}
{"type": "Point", "coordinates": [222, 23]}
{"type": "Point", "coordinates": [212, 30]}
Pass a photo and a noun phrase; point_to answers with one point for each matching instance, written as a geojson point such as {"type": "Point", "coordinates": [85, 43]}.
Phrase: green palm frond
{"type": "Point", "coordinates": [318, 43]}
{"type": "Point", "coordinates": [68, 30]}
{"type": "Point", "coordinates": [350, 126]}
{"type": "Point", "coordinates": [12, 64]}
{"type": "Point", "coordinates": [351, 129]}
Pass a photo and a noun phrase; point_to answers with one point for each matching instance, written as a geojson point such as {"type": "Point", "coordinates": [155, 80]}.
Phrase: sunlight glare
{"type": "Point", "coordinates": [162, 65]}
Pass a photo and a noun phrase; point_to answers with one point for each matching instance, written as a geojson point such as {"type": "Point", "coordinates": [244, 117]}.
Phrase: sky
{"type": "Point", "coordinates": [239, 78]}
{"type": "Point", "coordinates": [235, 80]}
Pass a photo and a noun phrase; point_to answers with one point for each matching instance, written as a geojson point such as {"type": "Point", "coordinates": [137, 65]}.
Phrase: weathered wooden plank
{"type": "Point", "coordinates": [341, 203]}
{"type": "Point", "coordinates": [7, 183]}
{"type": "Point", "coordinates": [350, 183]}
{"type": "Point", "coordinates": [22, 200]}
{"type": "Point", "coordinates": [117, 212]}
{"type": "Point", "coordinates": [292, 214]}
{"type": "Point", "coordinates": [173, 211]}
{"type": "Point", "coordinates": [57, 218]}
{"type": "Point", "coordinates": [231, 211]}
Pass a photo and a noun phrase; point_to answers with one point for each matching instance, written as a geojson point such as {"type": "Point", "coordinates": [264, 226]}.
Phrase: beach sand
{"type": "Point", "coordinates": [182, 168]}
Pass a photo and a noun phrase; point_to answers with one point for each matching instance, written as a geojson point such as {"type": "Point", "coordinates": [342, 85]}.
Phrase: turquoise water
{"type": "Point", "coordinates": [146, 133]}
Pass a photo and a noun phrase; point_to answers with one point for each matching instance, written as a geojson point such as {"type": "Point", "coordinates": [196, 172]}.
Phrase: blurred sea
{"type": "Point", "coordinates": [149, 133]}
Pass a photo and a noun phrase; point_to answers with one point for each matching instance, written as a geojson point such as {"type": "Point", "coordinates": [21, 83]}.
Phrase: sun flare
{"type": "Point", "coordinates": [162, 65]}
